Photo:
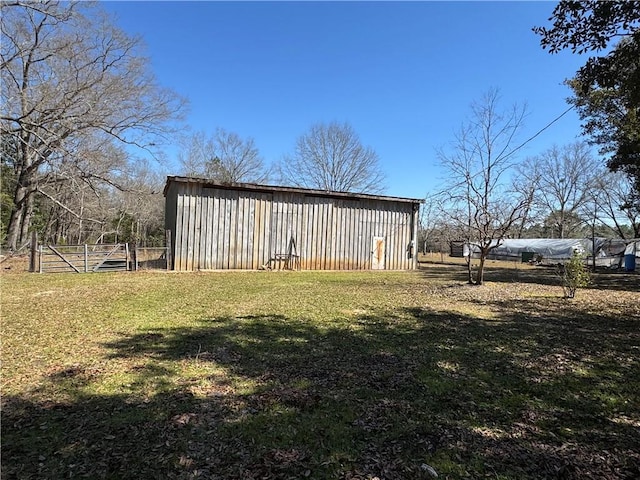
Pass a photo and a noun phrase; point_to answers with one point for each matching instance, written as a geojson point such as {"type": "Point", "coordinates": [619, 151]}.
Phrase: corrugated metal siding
{"type": "Point", "coordinates": [219, 228]}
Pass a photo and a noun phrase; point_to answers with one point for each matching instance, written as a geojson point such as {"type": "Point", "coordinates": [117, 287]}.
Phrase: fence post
{"type": "Point", "coordinates": [168, 254]}
{"type": "Point", "coordinates": [40, 260]}
{"type": "Point", "coordinates": [34, 250]}
{"type": "Point", "coordinates": [86, 258]}
{"type": "Point", "coordinates": [135, 257]}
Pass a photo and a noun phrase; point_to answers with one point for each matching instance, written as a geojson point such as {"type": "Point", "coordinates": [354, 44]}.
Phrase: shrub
{"type": "Point", "coordinates": [574, 275]}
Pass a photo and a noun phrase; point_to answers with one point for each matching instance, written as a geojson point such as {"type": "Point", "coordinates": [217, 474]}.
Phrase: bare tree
{"type": "Point", "coordinates": [139, 207]}
{"type": "Point", "coordinates": [613, 193]}
{"type": "Point", "coordinates": [478, 197]}
{"type": "Point", "coordinates": [194, 154]}
{"type": "Point", "coordinates": [68, 74]}
{"type": "Point", "coordinates": [224, 157]}
{"type": "Point", "coordinates": [428, 222]}
{"type": "Point", "coordinates": [119, 201]}
{"type": "Point", "coordinates": [435, 233]}
{"type": "Point", "coordinates": [526, 181]}
{"type": "Point", "coordinates": [566, 177]}
{"type": "Point", "coordinates": [331, 157]}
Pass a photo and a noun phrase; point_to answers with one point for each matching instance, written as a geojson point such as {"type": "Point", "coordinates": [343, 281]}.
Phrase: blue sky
{"type": "Point", "coordinates": [402, 74]}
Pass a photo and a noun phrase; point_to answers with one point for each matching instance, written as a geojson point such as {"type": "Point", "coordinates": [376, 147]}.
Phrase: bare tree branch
{"type": "Point", "coordinates": [69, 74]}
{"type": "Point", "coordinates": [224, 157]}
{"type": "Point", "coordinates": [331, 157]}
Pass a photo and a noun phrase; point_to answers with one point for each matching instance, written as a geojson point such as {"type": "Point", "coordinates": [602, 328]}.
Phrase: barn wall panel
{"type": "Point", "coordinates": [209, 260]}
{"type": "Point", "coordinates": [222, 228]}
{"type": "Point", "coordinates": [188, 233]}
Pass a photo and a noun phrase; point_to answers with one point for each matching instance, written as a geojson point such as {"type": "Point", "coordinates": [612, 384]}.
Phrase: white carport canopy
{"type": "Point", "coordinates": [556, 248]}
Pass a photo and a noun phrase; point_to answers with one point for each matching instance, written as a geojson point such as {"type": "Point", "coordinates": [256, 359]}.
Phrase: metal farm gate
{"type": "Point", "coordinates": [84, 258]}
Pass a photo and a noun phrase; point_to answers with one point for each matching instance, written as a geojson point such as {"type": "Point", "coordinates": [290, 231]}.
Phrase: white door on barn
{"type": "Point", "coordinates": [378, 253]}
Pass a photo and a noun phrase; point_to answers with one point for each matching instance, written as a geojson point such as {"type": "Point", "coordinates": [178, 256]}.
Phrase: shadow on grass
{"type": "Point", "coordinates": [503, 272]}
{"type": "Point", "coordinates": [493, 272]}
{"type": "Point", "coordinates": [525, 397]}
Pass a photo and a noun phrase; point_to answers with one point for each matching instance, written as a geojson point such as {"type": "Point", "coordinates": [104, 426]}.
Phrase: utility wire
{"type": "Point", "coordinates": [541, 130]}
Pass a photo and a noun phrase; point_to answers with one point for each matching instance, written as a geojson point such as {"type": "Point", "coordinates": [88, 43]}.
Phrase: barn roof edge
{"type": "Point", "coordinates": [254, 187]}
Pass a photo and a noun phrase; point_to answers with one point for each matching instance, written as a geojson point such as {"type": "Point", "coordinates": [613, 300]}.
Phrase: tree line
{"type": "Point", "coordinates": [85, 122]}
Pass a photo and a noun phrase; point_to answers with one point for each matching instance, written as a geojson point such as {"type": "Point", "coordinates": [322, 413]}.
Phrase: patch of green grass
{"type": "Point", "coordinates": [317, 375]}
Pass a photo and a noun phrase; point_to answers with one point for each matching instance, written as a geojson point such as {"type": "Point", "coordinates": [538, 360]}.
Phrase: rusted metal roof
{"type": "Point", "coordinates": [254, 187]}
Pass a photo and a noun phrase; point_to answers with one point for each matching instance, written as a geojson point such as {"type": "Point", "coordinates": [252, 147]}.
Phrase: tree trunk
{"type": "Point", "coordinates": [469, 269]}
{"type": "Point", "coordinates": [480, 274]}
{"type": "Point", "coordinates": [26, 219]}
{"type": "Point", "coordinates": [13, 229]}
{"type": "Point", "coordinates": [19, 217]}
{"type": "Point", "coordinates": [47, 231]}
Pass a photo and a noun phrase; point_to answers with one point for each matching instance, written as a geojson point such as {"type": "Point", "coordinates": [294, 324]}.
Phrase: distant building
{"type": "Point", "coordinates": [248, 226]}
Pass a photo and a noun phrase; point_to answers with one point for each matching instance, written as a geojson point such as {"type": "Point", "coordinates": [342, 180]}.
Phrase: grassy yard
{"type": "Point", "coordinates": [265, 375]}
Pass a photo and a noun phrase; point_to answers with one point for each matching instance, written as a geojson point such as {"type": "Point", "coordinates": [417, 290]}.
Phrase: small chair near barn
{"type": "Point", "coordinates": [285, 261]}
